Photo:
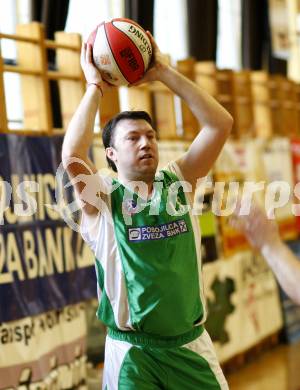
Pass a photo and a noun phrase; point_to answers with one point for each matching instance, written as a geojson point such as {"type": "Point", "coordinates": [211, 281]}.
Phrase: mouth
{"type": "Point", "coordinates": [146, 156]}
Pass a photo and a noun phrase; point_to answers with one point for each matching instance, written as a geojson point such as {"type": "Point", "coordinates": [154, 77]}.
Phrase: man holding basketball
{"type": "Point", "coordinates": [147, 249]}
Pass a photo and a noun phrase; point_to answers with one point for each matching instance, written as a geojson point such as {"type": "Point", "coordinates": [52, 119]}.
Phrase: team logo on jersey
{"type": "Point", "coordinates": [129, 207]}
{"type": "Point", "coordinates": [134, 234]}
{"type": "Point", "coordinates": [182, 226]}
{"type": "Point", "coordinates": [166, 230]}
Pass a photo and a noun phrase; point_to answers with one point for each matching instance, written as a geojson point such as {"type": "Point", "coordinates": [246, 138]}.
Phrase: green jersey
{"type": "Point", "coordinates": [148, 260]}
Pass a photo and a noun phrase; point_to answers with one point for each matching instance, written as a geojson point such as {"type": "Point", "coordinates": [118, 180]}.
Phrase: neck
{"type": "Point", "coordinates": [143, 187]}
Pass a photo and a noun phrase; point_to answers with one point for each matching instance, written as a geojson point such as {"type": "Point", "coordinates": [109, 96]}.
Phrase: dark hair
{"type": "Point", "coordinates": [109, 129]}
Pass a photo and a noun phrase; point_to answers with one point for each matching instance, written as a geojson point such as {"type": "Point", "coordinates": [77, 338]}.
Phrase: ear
{"type": "Point", "coordinates": [111, 153]}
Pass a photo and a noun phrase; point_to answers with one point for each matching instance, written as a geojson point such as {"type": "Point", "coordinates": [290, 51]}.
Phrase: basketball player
{"type": "Point", "coordinates": [147, 245]}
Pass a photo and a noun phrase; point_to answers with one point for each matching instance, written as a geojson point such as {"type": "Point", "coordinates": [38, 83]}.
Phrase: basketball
{"type": "Point", "coordinates": [121, 51]}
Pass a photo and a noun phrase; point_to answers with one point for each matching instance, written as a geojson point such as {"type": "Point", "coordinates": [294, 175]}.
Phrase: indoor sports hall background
{"type": "Point", "coordinates": [246, 53]}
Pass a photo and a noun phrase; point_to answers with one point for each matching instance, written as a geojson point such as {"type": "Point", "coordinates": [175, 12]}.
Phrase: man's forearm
{"type": "Point", "coordinates": [80, 132]}
{"type": "Point", "coordinates": [285, 266]}
{"type": "Point", "coordinates": [206, 109]}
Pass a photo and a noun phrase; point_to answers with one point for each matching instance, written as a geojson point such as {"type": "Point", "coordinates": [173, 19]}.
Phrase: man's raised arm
{"type": "Point", "coordinates": [79, 135]}
{"type": "Point", "coordinates": [216, 122]}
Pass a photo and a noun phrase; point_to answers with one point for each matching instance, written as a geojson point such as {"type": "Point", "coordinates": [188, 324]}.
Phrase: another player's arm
{"type": "Point", "coordinates": [79, 135]}
{"type": "Point", "coordinates": [216, 122]}
{"type": "Point", "coordinates": [263, 235]}
{"type": "Point", "coordinates": [285, 266]}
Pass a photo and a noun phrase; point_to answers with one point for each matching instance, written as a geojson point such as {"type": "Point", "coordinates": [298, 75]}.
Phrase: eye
{"type": "Point", "coordinates": [132, 138]}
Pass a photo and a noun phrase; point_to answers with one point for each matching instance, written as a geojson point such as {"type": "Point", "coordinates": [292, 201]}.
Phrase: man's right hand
{"type": "Point", "coordinates": [91, 72]}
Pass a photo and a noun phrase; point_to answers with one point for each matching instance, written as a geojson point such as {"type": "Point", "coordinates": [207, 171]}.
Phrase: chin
{"type": "Point", "coordinates": [151, 167]}
{"type": "Point", "coordinates": [147, 171]}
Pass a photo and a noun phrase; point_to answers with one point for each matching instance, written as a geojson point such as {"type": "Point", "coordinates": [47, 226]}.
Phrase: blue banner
{"type": "Point", "coordinates": [44, 265]}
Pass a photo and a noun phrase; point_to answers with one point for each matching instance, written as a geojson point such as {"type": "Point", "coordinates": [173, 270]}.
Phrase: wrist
{"type": "Point", "coordinates": [163, 72]}
{"type": "Point", "coordinates": [95, 85]}
{"type": "Point", "coordinates": [271, 246]}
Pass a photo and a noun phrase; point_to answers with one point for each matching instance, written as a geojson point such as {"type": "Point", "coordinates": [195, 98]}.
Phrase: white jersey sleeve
{"type": "Point", "coordinates": [96, 192]}
{"type": "Point", "coordinates": [173, 167]}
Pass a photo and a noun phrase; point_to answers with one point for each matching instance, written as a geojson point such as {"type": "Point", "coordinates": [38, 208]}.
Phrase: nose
{"type": "Point", "coordinates": [144, 143]}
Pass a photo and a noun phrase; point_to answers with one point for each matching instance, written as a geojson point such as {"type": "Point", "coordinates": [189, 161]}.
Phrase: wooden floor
{"type": "Point", "coordinates": [276, 369]}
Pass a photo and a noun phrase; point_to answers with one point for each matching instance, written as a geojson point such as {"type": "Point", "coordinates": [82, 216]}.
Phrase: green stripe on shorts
{"type": "Point", "coordinates": [171, 369]}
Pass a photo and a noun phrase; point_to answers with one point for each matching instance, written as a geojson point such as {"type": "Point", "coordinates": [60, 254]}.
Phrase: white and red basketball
{"type": "Point", "coordinates": [121, 51]}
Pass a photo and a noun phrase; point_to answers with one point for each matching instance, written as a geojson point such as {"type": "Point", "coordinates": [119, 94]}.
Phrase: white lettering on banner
{"type": "Point", "coordinates": [52, 345]}
{"type": "Point", "coordinates": [5, 196]}
{"type": "Point", "coordinates": [29, 201]}
{"type": "Point", "coordinates": [31, 259]}
{"type": "Point", "coordinates": [13, 257]}
{"type": "Point", "coordinates": [49, 184]}
{"type": "Point", "coordinates": [17, 334]}
{"type": "Point", "coordinates": [63, 376]}
{"type": "Point", "coordinates": [45, 257]}
{"type": "Point", "coordinates": [30, 327]}
{"type": "Point", "coordinates": [31, 195]}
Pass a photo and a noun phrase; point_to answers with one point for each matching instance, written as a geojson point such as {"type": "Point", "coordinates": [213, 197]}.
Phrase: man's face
{"type": "Point", "coordinates": [135, 151]}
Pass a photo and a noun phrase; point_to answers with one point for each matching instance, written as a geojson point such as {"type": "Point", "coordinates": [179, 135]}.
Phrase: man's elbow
{"type": "Point", "coordinates": [296, 297]}
{"type": "Point", "coordinates": [66, 155]}
{"type": "Point", "coordinates": [227, 124]}
{"type": "Point", "coordinates": [224, 127]}
{"type": "Point", "coordinates": [69, 156]}
{"type": "Point", "coordinates": [66, 152]}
